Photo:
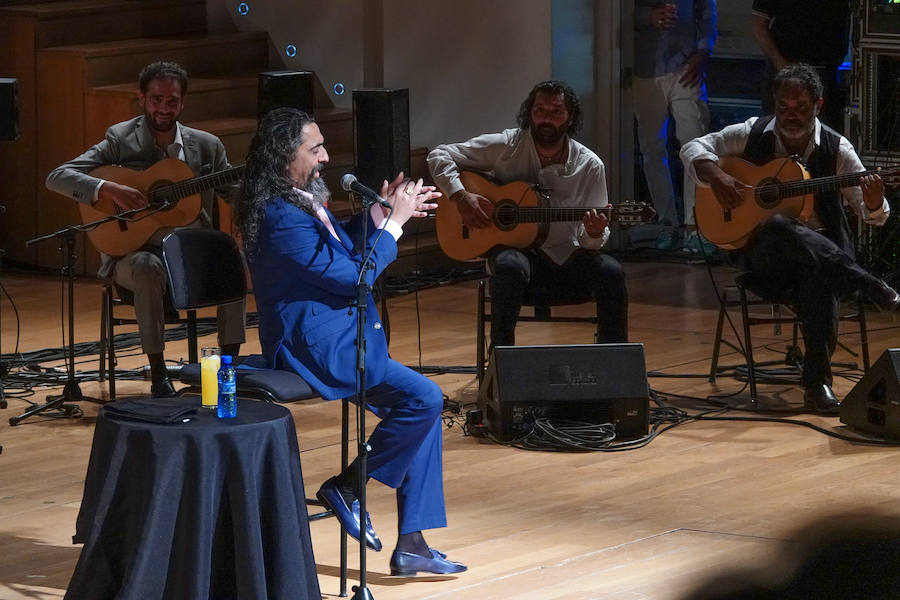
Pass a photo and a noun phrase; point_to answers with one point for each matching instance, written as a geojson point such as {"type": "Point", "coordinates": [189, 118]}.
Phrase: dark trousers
{"type": "Point", "coordinates": [587, 274]}
{"type": "Point", "coordinates": [810, 272]}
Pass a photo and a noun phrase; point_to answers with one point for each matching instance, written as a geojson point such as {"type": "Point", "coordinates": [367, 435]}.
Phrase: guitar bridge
{"type": "Point", "coordinates": [727, 215]}
{"type": "Point", "coordinates": [465, 232]}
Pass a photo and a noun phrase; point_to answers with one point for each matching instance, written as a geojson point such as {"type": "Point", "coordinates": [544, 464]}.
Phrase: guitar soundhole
{"type": "Point", "coordinates": [768, 193]}
{"type": "Point", "coordinates": [505, 213]}
{"type": "Point", "coordinates": [160, 196]}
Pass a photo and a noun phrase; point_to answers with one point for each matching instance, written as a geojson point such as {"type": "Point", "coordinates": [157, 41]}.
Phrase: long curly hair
{"type": "Point", "coordinates": [273, 148]}
{"type": "Point", "coordinates": [573, 105]}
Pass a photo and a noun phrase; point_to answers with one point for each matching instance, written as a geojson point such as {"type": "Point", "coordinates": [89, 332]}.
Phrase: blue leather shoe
{"type": "Point", "coordinates": [407, 564]}
{"type": "Point", "coordinates": [348, 516]}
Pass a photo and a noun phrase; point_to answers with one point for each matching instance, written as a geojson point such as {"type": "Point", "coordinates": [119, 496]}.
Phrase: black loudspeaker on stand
{"type": "Point", "coordinates": [873, 405]}
{"type": "Point", "coordinates": [593, 383]}
{"type": "Point", "coordinates": [381, 123]}
{"type": "Point", "coordinates": [293, 89]}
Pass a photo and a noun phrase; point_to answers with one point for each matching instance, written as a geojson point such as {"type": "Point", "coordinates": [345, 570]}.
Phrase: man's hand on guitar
{"type": "Point", "coordinates": [123, 196]}
{"type": "Point", "coordinates": [595, 223]}
{"type": "Point", "coordinates": [475, 210]}
{"type": "Point", "coordinates": [873, 191]}
{"type": "Point", "coordinates": [726, 188]}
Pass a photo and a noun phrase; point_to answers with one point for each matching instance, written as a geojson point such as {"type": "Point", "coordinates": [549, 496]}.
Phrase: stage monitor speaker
{"type": "Point", "coordinates": [9, 109]}
{"type": "Point", "coordinates": [873, 405]}
{"type": "Point", "coordinates": [594, 383]}
{"type": "Point", "coordinates": [293, 89]}
{"type": "Point", "coordinates": [381, 123]}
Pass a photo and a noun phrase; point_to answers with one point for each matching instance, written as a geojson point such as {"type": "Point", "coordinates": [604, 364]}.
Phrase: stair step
{"type": "Point", "coordinates": [207, 98]}
{"type": "Point", "coordinates": [77, 21]}
{"type": "Point", "coordinates": [117, 61]}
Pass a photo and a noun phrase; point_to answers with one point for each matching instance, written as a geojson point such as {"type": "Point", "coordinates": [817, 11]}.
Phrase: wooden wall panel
{"type": "Point", "coordinates": [17, 158]}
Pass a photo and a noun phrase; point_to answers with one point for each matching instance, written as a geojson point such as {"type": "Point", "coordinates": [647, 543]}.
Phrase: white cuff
{"type": "Point", "coordinates": [378, 218]}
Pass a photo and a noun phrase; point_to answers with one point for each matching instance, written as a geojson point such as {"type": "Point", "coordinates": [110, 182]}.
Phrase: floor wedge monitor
{"type": "Point", "coordinates": [593, 383]}
{"type": "Point", "coordinates": [873, 405]}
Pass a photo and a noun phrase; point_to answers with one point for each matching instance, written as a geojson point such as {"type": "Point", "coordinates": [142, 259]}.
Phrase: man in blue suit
{"type": "Point", "coordinates": [305, 266]}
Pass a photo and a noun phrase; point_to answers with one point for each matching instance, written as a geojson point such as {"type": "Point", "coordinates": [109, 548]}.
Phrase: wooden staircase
{"type": "Point", "coordinates": [77, 63]}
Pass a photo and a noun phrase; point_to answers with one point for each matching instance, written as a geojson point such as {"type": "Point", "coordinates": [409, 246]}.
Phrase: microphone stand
{"type": "Point", "coordinates": [361, 591]}
{"type": "Point", "coordinates": [72, 391]}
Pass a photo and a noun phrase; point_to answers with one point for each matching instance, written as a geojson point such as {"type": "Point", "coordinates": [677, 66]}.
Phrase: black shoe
{"type": "Point", "coordinates": [883, 296]}
{"type": "Point", "coordinates": [406, 564]}
{"type": "Point", "coordinates": [163, 388]}
{"type": "Point", "coordinates": [821, 399]}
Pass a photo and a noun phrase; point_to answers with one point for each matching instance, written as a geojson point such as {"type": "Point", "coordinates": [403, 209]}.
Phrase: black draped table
{"type": "Point", "coordinates": [204, 508]}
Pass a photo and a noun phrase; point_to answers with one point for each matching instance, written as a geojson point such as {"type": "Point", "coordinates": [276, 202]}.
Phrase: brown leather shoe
{"type": "Point", "coordinates": [821, 399]}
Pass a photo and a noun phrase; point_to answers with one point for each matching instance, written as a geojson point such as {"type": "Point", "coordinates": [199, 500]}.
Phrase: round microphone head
{"type": "Point", "coordinates": [347, 181]}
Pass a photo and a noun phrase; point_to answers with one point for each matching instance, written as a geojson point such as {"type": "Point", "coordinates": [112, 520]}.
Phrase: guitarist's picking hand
{"type": "Point", "coordinates": [123, 196]}
{"type": "Point", "coordinates": [595, 223]}
{"type": "Point", "coordinates": [725, 188]}
{"type": "Point", "coordinates": [475, 210]}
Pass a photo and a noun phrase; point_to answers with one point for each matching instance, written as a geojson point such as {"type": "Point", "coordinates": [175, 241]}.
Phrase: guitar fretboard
{"type": "Point", "coordinates": [546, 214]}
{"type": "Point", "coordinates": [195, 185]}
{"type": "Point", "coordinates": [792, 189]}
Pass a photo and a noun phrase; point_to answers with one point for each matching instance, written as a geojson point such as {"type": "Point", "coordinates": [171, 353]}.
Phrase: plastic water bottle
{"type": "Point", "coordinates": [227, 407]}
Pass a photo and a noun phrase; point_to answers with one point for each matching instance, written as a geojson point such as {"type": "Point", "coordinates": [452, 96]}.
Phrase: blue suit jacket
{"type": "Point", "coordinates": [305, 282]}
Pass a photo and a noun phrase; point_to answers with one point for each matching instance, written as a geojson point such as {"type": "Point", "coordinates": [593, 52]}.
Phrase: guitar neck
{"type": "Point", "coordinates": [792, 189]}
{"type": "Point", "coordinates": [547, 214]}
{"type": "Point", "coordinates": [195, 185]}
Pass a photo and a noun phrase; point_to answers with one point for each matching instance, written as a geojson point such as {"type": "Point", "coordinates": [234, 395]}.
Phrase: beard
{"type": "Point", "coordinates": [547, 135]}
{"type": "Point", "coordinates": [160, 127]}
{"type": "Point", "coordinates": [315, 186]}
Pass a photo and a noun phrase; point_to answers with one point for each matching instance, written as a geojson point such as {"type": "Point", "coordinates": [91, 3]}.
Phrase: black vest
{"type": "Point", "coordinates": [822, 163]}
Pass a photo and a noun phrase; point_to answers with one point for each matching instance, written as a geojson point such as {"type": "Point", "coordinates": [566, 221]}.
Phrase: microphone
{"type": "Point", "coordinates": [350, 183]}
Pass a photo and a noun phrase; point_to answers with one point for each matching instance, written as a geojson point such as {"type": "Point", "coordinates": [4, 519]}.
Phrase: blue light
{"type": "Point", "coordinates": [243, 8]}
{"type": "Point", "coordinates": [291, 50]}
{"type": "Point", "coordinates": [338, 88]}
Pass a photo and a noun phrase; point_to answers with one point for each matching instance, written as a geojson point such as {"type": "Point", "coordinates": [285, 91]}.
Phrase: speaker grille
{"type": "Point", "coordinates": [381, 142]}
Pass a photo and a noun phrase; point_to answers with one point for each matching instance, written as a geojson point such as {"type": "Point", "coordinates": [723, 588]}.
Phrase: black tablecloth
{"type": "Point", "coordinates": [209, 508]}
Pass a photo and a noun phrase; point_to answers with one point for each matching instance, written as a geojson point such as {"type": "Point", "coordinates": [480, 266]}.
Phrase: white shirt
{"type": "Point", "coordinates": [731, 141]}
{"type": "Point", "coordinates": [511, 156]}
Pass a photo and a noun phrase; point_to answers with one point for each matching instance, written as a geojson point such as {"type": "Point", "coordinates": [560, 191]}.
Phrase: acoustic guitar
{"type": "Point", "coordinates": [781, 186]}
{"type": "Point", "coordinates": [520, 219]}
{"type": "Point", "coordinates": [174, 200]}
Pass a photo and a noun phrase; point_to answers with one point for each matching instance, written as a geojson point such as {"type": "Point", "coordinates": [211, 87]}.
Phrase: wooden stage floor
{"type": "Point", "coordinates": [701, 499]}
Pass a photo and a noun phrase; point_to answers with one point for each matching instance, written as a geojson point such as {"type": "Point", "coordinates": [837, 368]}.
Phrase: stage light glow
{"type": "Point", "coordinates": [338, 88]}
{"type": "Point", "coordinates": [291, 50]}
{"type": "Point", "coordinates": [243, 8]}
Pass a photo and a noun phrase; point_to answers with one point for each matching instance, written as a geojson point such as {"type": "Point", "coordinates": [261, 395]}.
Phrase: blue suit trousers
{"type": "Point", "coordinates": [406, 446]}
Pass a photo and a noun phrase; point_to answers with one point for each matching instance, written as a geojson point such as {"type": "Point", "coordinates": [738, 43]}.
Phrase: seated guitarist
{"type": "Point", "coordinates": [811, 264]}
{"type": "Point", "coordinates": [138, 144]}
{"type": "Point", "coordinates": [541, 150]}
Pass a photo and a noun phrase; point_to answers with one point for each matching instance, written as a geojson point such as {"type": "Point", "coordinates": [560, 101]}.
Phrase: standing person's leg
{"type": "Point", "coordinates": [651, 107]}
{"type": "Point", "coordinates": [690, 109]}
